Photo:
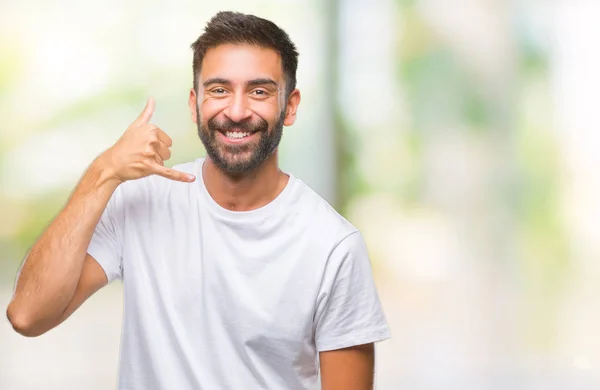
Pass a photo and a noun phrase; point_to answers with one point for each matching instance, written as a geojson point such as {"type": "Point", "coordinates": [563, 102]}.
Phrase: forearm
{"type": "Point", "coordinates": [51, 270]}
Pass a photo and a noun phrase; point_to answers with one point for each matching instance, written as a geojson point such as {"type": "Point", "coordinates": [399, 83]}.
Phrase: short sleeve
{"type": "Point", "coordinates": [348, 309]}
{"type": "Point", "coordinates": [105, 246]}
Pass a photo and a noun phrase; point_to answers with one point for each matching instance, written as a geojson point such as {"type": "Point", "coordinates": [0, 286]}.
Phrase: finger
{"type": "Point", "coordinates": [158, 160]}
{"type": "Point", "coordinates": [163, 151]}
{"type": "Point", "coordinates": [164, 138]}
{"type": "Point", "coordinates": [145, 116]}
{"type": "Point", "coordinates": [173, 174]}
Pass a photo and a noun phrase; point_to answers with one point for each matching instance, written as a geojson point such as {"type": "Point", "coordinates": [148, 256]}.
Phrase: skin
{"type": "Point", "coordinates": [58, 275]}
{"type": "Point", "coordinates": [238, 84]}
{"type": "Point", "coordinates": [226, 92]}
{"type": "Point", "coordinates": [349, 368]}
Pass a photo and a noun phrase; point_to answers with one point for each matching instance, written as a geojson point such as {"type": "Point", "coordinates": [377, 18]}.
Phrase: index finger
{"type": "Point", "coordinates": [164, 138]}
{"type": "Point", "coordinates": [172, 174]}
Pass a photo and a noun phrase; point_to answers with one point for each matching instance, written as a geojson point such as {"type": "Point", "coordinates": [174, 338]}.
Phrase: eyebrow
{"type": "Point", "coordinates": [216, 80]}
{"type": "Point", "coordinates": [263, 81]}
{"type": "Point", "coordinates": [251, 83]}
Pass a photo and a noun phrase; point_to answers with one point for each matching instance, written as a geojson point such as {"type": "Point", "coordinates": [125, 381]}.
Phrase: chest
{"type": "Point", "coordinates": [255, 286]}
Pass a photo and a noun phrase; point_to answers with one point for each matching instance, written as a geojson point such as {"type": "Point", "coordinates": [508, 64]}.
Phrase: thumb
{"type": "Point", "coordinates": [145, 116]}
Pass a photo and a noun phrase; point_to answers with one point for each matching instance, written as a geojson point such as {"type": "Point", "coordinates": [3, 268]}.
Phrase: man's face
{"type": "Point", "coordinates": [241, 106]}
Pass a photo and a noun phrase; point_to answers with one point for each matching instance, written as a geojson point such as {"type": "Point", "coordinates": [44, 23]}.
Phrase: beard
{"type": "Point", "coordinates": [242, 158]}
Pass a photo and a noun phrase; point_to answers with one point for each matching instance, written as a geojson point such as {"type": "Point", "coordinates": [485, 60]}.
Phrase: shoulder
{"type": "Point", "coordinates": [323, 219]}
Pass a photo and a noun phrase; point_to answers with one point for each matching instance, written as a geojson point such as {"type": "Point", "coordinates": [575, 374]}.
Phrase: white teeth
{"type": "Point", "coordinates": [236, 134]}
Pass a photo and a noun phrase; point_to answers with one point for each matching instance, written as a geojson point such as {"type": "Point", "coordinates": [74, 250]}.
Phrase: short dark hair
{"type": "Point", "coordinates": [236, 28]}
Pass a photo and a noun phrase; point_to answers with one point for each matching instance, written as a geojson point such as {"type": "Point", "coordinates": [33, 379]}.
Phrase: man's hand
{"type": "Point", "coordinates": [141, 151]}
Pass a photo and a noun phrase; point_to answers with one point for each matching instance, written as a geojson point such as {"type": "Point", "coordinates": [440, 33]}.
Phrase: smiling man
{"type": "Point", "coordinates": [236, 274]}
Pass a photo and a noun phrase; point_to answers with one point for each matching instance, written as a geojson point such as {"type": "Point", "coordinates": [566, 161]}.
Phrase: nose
{"type": "Point", "coordinates": [237, 110]}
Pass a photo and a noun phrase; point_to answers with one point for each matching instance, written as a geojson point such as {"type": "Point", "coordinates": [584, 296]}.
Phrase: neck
{"type": "Point", "coordinates": [247, 191]}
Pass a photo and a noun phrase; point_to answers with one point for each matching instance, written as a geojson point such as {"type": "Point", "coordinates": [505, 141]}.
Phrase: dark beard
{"type": "Point", "coordinates": [230, 158]}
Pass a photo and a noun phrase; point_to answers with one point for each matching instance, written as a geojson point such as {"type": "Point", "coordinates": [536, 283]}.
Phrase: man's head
{"type": "Point", "coordinates": [244, 89]}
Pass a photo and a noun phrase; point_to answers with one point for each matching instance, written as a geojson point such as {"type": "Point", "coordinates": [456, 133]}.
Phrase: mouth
{"type": "Point", "coordinates": [236, 136]}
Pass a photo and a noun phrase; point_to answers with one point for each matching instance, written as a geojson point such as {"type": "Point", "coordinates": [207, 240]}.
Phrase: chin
{"type": "Point", "coordinates": [231, 164]}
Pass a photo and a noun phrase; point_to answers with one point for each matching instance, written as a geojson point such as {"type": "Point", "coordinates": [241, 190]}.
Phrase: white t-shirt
{"type": "Point", "coordinates": [217, 299]}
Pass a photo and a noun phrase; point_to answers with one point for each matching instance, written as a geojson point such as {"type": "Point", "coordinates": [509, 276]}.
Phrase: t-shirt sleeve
{"type": "Point", "coordinates": [348, 308]}
{"type": "Point", "coordinates": [106, 244]}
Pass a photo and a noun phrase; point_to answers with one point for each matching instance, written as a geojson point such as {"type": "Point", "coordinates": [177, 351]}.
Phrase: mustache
{"type": "Point", "coordinates": [247, 126]}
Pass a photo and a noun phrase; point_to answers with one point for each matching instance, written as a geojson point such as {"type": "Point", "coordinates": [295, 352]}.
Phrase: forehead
{"type": "Point", "coordinates": [240, 63]}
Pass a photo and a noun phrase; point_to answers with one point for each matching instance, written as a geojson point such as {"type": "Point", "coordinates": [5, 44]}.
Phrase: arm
{"type": "Point", "coordinates": [51, 272]}
{"type": "Point", "coordinates": [348, 368]}
{"type": "Point", "coordinates": [349, 318]}
{"type": "Point", "coordinates": [58, 275]}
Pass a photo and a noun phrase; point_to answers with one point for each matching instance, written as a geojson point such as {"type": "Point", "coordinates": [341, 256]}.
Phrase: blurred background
{"type": "Point", "coordinates": [459, 135]}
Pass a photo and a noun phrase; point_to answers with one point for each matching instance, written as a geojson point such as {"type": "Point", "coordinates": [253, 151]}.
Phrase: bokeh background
{"type": "Point", "coordinates": [460, 136]}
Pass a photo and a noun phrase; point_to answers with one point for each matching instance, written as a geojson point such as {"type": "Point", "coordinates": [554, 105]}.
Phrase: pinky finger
{"type": "Point", "coordinates": [173, 174]}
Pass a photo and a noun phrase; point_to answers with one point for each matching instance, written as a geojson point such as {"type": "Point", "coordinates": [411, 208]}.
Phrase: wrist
{"type": "Point", "coordinates": [104, 173]}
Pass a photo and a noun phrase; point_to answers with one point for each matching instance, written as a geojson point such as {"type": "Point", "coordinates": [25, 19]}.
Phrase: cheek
{"type": "Point", "coordinates": [270, 113]}
{"type": "Point", "coordinates": [207, 110]}
{"type": "Point", "coordinates": [211, 107]}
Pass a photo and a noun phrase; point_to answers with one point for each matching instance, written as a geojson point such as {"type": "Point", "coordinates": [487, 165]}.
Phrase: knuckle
{"type": "Point", "coordinates": [147, 163]}
{"type": "Point", "coordinates": [148, 153]}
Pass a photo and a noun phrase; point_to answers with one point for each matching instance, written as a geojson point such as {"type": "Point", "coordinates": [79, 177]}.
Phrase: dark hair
{"type": "Point", "coordinates": [237, 28]}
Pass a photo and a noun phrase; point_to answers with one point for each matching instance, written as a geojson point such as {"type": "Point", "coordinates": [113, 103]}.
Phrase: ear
{"type": "Point", "coordinates": [293, 102]}
{"type": "Point", "coordinates": [193, 104]}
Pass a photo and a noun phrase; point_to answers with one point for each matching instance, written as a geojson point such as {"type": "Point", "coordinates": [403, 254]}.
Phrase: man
{"type": "Point", "coordinates": [236, 275]}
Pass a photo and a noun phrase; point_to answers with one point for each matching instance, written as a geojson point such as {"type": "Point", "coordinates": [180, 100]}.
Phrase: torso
{"type": "Point", "coordinates": [221, 300]}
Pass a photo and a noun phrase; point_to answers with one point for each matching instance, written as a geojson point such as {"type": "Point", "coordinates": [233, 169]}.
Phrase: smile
{"type": "Point", "coordinates": [235, 137]}
{"type": "Point", "coordinates": [236, 134]}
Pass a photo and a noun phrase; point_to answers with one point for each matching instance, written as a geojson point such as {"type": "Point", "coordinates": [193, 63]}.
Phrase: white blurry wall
{"type": "Point", "coordinates": [475, 293]}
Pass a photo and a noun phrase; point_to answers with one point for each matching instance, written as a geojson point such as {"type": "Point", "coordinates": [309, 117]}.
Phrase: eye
{"type": "Point", "coordinates": [260, 93]}
{"type": "Point", "coordinates": [218, 91]}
